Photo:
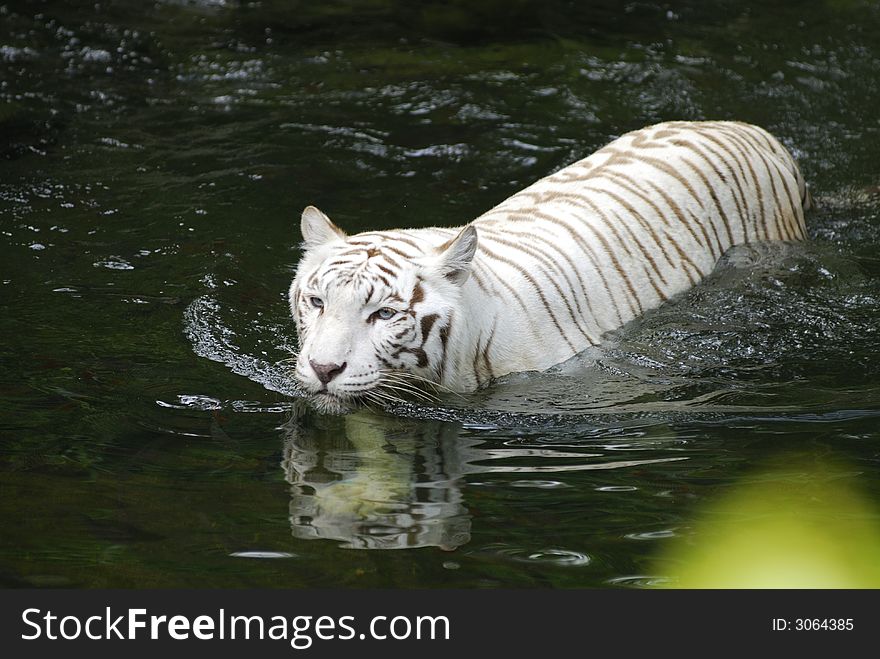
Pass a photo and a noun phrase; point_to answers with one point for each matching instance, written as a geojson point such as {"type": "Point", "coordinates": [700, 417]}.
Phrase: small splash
{"type": "Point", "coordinates": [551, 556]}
{"type": "Point", "coordinates": [13, 54]}
{"type": "Point", "coordinates": [641, 581]}
{"type": "Point", "coordinates": [117, 144]}
{"type": "Point", "coordinates": [561, 557]}
{"type": "Point", "coordinates": [539, 484]}
{"type": "Point", "coordinates": [652, 535]}
{"type": "Point", "coordinates": [263, 554]}
{"type": "Point", "coordinates": [95, 55]}
{"type": "Point", "coordinates": [193, 402]}
{"type": "Point", "coordinates": [114, 263]}
{"type": "Point", "coordinates": [252, 407]}
{"type": "Point", "coordinates": [213, 339]}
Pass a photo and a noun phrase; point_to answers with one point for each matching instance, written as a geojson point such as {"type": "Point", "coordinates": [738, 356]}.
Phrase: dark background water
{"type": "Point", "coordinates": [155, 158]}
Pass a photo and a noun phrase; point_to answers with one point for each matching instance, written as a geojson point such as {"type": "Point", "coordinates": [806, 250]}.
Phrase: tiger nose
{"type": "Point", "coordinates": [327, 372]}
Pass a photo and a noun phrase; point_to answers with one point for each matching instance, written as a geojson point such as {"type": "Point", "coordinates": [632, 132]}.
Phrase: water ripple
{"type": "Point", "coordinates": [551, 556]}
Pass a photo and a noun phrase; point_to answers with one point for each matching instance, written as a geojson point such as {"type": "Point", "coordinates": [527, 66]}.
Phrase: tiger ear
{"type": "Point", "coordinates": [317, 229]}
{"type": "Point", "coordinates": [456, 255]}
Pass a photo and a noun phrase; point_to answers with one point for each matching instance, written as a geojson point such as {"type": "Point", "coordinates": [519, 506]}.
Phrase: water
{"type": "Point", "coordinates": [155, 163]}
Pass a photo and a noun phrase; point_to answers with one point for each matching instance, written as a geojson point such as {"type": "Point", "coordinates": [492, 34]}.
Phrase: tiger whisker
{"type": "Point", "coordinates": [400, 376]}
{"type": "Point", "coordinates": [380, 397]}
{"type": "Point", "coordinates": [399, 386]}
{"type": "Point", "coordinates": [410, 388]}
{"type": "Point", "coordinates": [403, 376]}
{"type": "Point", "coordinates": [372, 399]}
{"type": "Point", "coordinates": [414, 376]}
{"type": "Point", "coordinates": [431, 383]}
{"type": "Point", "coordinates": [416, 395]}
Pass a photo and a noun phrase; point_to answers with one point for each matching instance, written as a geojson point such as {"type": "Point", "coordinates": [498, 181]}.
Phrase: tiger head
{"type": "Point", "coordinates": [373, 311]}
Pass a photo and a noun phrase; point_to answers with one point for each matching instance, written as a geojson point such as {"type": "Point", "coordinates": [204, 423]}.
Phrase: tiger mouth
{"type": "Point", "coordinates": [330, 403]}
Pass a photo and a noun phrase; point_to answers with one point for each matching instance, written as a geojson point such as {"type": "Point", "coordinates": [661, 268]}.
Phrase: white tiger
{"type": "Point", "coordinates": [543, 275]}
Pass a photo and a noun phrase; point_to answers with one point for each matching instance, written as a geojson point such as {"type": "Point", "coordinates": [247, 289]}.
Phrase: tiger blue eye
{"type": "Point", "coordinates": [385, 313]}
{"type": "Point", "coordinates": [317, 302]}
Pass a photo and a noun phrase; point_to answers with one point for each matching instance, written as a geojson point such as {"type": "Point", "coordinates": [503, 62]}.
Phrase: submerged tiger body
{"type": "Point", "coordinates": [543, 275]}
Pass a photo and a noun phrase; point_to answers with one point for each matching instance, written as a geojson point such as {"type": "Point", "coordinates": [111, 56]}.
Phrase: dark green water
{"type": "Point", "coordinates": [155, 161]}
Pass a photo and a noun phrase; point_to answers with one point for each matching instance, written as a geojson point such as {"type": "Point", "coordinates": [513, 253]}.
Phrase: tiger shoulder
{"type": "Point", "coordinates": [543, 275]}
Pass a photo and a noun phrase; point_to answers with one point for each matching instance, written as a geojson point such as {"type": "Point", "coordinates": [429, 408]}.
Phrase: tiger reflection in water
{"type": "Point", "coordinates": [373, 482]}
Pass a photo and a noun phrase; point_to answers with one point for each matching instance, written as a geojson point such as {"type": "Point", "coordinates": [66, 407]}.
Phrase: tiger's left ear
{"type": "Point", "coordinates": [317, 229]}
{"type": "Point", "coordinates": [455, 256]}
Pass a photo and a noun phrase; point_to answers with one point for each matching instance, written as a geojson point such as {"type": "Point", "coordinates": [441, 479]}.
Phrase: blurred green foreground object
{"type": "Point", "coordinates": [797, 527]}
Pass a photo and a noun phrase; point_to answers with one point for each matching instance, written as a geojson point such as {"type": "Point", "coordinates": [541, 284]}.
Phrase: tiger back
{"type": "Point", "coordinates": [544, 274]}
